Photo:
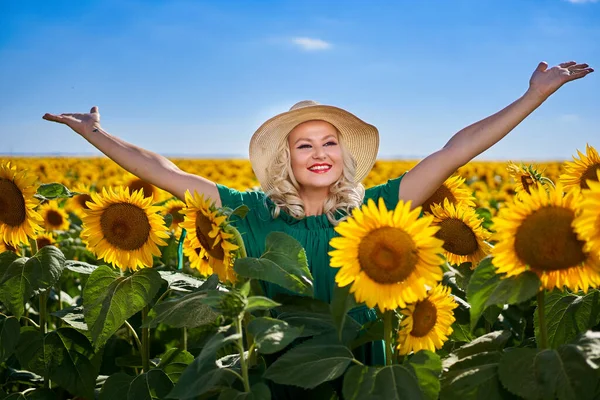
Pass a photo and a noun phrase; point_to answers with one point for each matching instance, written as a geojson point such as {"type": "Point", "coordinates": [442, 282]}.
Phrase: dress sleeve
{"type": "Point", "coordinates": [233, 198]}
{"type": "Point", "coordinates": [388, 191]}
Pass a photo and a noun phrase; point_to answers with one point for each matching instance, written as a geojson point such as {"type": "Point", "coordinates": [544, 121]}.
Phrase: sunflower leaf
{"type": "Point", "coordinates": [311, 363]}
{"type": "Point", "coordinates": [53, 191]}
{"type": "Point", "coordinates": [189, 311]}
{"type": "Point", "coordinates": [474, 377]}
{"type": "Point", "coordinates": [80, 267]}
{"type": "Point", "coordinates": [567, 315]}
{"type": "Point", "coordinates": [116, 387]}
{"type": "Point", "coordinates": [391, 382]}
{"type": "Point", "coordinates": [482, 284]}
{"type": "Point", "coordinates": [154, 384]}
{"type": "Point", "coordinates": [342, 302]}
{"type": "Point", "coordinates": [109, 299]}
{"type": "Point", "coordinates": [10, 329]}
{"type": "Point", "coordinates": [174, 361]}
{"type": "Point", "coordinates": [515, 289]}
{"type": "Point", "coordinates": [26, 277]}
{"type": "Point", "coordinates": [427, 367]}
{"type": "Point", "coordinates": [272, 335]}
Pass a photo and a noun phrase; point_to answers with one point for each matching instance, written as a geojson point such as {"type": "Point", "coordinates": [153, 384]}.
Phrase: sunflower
{"type": "Point", "coordinates": [525, 177]}
{"type": "Point", "coordinates": [55, 218]}
{"type": "Point", "coordinates": [580, 170]}
{"type": "Point", "coordinates": [460, 229]}
{"type": "Point", "coordinates": [427, 323]}
{"type": "Point", "coordinates": [174, 207]}
{"type": "Point", "coordinates": [124, 229]}
{"type": "Point", "coordinates": [536, 233]}
{"type": "Point", "coordinates": [77, 203]}
{"type": "Point", "coordinates": [587, 223]}
{"type": "Point", "coordinates": [388, 256]}
{"type": "Point", "coordinates": [18, 220]}
{"type": "Point", "coordinates": [206, 228]}
{"type": "Point", "coordinates": [135, 183]}
{"type": "Point", "coordinates": [45, 239]}
{"type": "Point", "coordinates": [451, 190]}
{"type": "Point", "coordinates": [8, 247]}
{"type": "Point", "coordinates": [198, 257]}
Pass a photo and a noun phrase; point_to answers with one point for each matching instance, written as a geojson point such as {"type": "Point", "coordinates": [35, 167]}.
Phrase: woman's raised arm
{"type": "Point", "coordinates": [426, 177]}
{"type": "Point", "coordinates": [145, 164]}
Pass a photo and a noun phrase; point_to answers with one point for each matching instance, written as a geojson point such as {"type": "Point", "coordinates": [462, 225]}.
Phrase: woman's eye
{"type": "Point", "coordinates": [330, 144]}
{"type": "Point", "coordinates": [304, 146]}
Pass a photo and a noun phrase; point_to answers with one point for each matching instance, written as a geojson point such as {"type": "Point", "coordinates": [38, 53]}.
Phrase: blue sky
{"type": "Point", "coordinates": [196, 78]}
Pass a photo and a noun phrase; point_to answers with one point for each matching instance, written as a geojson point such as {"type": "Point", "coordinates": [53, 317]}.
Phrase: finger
{"type": "Point", "coordinates": [578, 66]}
{"type": "Point", "coordinates": [52, 117]}
{"type": "Point", "coordinates": [567, 64]}
{"type": "Point", "coordinates": [95, 109]}
{"type": "Point", "coordinates": [542, 66]}
{"type": "Point", "coordinates": [74, 115]}
{"type": "Point", "coordinates": [579, 74]}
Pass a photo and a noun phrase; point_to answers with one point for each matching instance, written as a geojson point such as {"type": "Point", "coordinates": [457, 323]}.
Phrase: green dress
{"type": "Point", "coordinates": [314, 234]}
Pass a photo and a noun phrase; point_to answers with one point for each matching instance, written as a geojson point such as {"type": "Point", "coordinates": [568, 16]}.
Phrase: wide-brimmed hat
{"type": "Point", "coordinates": [360, 139]}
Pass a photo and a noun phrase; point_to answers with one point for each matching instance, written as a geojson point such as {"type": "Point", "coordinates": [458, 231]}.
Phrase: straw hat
{"type": "Point", "coordinates": [360, 138]}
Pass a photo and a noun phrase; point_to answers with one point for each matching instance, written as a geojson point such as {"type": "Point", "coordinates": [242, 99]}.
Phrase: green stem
{"type": "Point", "coordinates": [238, 326]}
{"type": "Point", "coordinates": [43, 305]}
{"type": "Point", "coordinates": [184, 338]}
{"type": "Point", "coordinates": [34, 247]}
{"type": "Point", "coordinates": [387, 336]}
{"type": "Point", "coordinates": [145, 342]}
{"type": "Point", "coordinates": [32, 322]}
{"type": "Point", "coordinates": [59, 293]}
{"type": "Point", "coordinates": [239, 241]}
{"type": "Point", "coordinates": [249, 342]}
{"type": "Point", "coordinates": [542, 320]}
{"type": "Point", "coordinates": [135, 336]}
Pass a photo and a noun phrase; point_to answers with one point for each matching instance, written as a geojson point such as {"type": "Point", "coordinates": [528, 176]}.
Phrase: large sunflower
{"type": "Point", "coordinates": [206, 228]}
{"type": "Point", "coordinates": [124, 229]}
{"type": "Point", "coordinates": [198, 257]}
{"type": "Point", "coordinates": [55, 218]}
{"type": "Point", "coordinates": [587, 223]}
{"type": "Point", "coordinates": [18, 220]}
{"type": "Point", "coordinates": [460, 229]}
{"type": "Point", "coordinates": [427, 323]}
{"type": "Point", "coordinates": [537, 234]}
{"type": "Point", "coordinates": [388, 256]}
{"type": "Point", "coordinates": [452, 190]}
{"type": "Point", "coordinates": [525, 177]}
{"type": "Point", "coordinates": [581, 169]}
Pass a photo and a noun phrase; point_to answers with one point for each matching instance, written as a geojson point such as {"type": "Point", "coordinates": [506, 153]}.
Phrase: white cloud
{"type": "Point", "coordinates": [582, 1]}
{"type": "Point", "coordinates": [310, 44]}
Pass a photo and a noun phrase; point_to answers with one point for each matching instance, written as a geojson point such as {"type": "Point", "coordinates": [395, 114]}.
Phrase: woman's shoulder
{"type": "Point", "coordinates": [234, 198]}
{"type": "Point", "coordinates": [389, 191]}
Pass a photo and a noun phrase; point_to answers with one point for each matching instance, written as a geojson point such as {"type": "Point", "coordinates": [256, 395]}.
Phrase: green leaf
{"type": "Point", "coordinates": [259, 391]}
{"type": "Point", "coordinates": [10, 329]}
{"type": "Point", "coordinates": [272, 335]}
{"type": "Point", "coordinates": [373, 331]}
{"type": "Point", "coordinates": [342, 302]}
{"type": "Point", "coordinates": [567, 315]}
{"type": "Point", "coordinates": [482, 284]}
{"type": "Point", "coordinates": [283, 263]}
{"type": "Point", "coordinates": [15, 396]}
{"type": "Point", "coordinates": [241, 211]}
{"type": "Point", "coordinates": [516, 372]}
{"type": "Point", "coordinates": [73, 316]}
{"type": "Point", "coordinates": [174, 361]}
{"type": "Point", "coordinates": [391, 382]}
{"type": "Point", "coordinates": [53, 191]}
{"type": "Point", "coordinates": [460, 333]}
{"type": "Point", "coordinates": [463, 273]}
{"type": "Point", "coordinates": [30, 350]}
{"type": "Point", "coordinates": [41, 394]}
{"type": "Point", "coordinates": [310, 363]}
{"type": "Point", "coordinates": [116, 387]}
{"type": "Point", "coordinates": [203, 376]}
{"type": "Point", "coordinates": [25, 277]}
{"type": "Point", "coordinates": [6, 258]}
{"type": "Point", "coordinates": [183, 282]}
{"type": "Point", "coordinates": [154, 384]}
{"type": "Point", "coordinates": [70, 361]}
{"type": "Point", "coordinates": [489, 342]}
{"type": "Point", "coordinates": [188, 311]}
{"type": "Point", "coordinates": [474, 377]}
{"type": "Point", "coordinates": [256, 303]}
{"type": "Point", "coordinates": [80, 267]}
{"type": "Point", "coordinates": [427, 367]}
{"type": "Point", "coordinates": [588, 344]}
{"type": "Point", "coordinates": [109, 299]}
{"type": "Point", "coordinates": [515, 289]}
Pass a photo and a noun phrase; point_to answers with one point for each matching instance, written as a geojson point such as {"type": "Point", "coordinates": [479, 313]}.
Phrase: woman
{"type": "Point", "coordinates": [310, 162]}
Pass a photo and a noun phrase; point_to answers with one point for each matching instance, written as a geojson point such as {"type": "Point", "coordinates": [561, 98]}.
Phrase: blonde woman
{"type": "Point", "coordinates": [310, 162]}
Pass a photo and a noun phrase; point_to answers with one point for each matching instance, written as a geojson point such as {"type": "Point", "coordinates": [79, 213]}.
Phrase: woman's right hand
{"type": "Point", "coordinates": [80, 123]}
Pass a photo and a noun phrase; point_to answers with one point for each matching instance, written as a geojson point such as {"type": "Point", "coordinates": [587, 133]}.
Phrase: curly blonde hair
{"type": "Point", "coordinates": [344, 195]}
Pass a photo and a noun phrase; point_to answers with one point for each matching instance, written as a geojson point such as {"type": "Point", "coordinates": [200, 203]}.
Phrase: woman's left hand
{"type": "Point", "coordinates": [546, 81]}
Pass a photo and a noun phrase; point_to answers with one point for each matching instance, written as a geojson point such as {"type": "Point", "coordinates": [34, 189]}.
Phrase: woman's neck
{"type": "Point", "coordinates": [314, 201]}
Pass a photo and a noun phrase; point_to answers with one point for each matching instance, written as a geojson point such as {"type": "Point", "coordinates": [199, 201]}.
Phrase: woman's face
{"type": "Point", "coordinates": [316, 155]}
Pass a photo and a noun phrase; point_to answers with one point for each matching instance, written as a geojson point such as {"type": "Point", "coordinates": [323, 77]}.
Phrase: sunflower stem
{"type": "Point", "coordinates": [145, 342]}
{"type": "Point", "coordinates": [238, 326]}
{"type": "Point", "coordinates": [135, 336]}
{"type": "Point", "coordinates": [543, 344]}
{"type": "Point", "coordinates": [43, 305]}
{"type": "Point", "coordinates": [387, 336]}
{"type": "Point", "coordinates": [34, 247]}
{"type": "Point", "coordinates": [184, 339]}
{"type": "Point", "coordinates": [239, 241]}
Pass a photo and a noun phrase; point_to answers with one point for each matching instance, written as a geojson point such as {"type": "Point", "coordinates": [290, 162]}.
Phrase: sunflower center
{"type": "Point", "coordinates": [54, 218]}
{"type": "Point", "coordinates": [424, 318]}
{"type": "Point", "coordinates": [12, 204]}
{"type": "Point", "coordinates": [125, 226]}
{"type": "Point", "coordinates": [41, 242]}
{"type": "Point", "coordinates": [203, 228]}
{"type": "Point", "coordinates": [438, 198]}
{"type": "Point", "coordinates": [546, 241]}
{"type": "Point", "coordinates": [590, 174]}
{"type": "Point", "coordinates": [176, 214]}
{"type": "Point", "coordinates": [387, 255]}
{"type": "Point", "coordinates": [138, 184]}
{"type": "Point", "coordinates": [82, 198]}
{"type": "Point", "coordinates": [527, 182]}
{"type": "Point", "coordinates": [458, 237]}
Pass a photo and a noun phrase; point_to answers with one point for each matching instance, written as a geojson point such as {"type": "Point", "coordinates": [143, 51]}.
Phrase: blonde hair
{"type": "Point", "coordinates": [344, 194]}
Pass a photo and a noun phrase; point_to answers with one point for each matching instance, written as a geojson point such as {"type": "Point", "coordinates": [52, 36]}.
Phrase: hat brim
{"type": "Point", "coordinates": [360, 139]}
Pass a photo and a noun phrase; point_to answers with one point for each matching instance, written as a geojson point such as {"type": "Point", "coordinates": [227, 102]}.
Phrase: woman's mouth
{"type": "Point", "coordinates": [319, 168]}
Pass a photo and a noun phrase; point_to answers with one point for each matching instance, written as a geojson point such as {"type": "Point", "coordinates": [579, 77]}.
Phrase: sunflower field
{"type": "Point", "coordinates": [111, 288]}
